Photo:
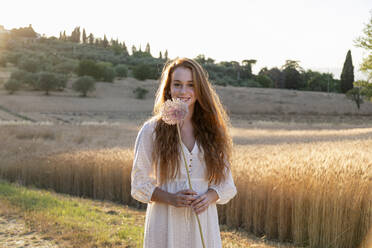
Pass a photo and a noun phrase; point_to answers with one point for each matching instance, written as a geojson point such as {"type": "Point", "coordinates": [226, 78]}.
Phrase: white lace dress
{"type": "Point", "coordinates": [167, 226]}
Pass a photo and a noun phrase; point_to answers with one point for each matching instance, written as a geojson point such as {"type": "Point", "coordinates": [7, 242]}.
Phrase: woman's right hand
{"type": "Point", "coordinates": [183, 198]}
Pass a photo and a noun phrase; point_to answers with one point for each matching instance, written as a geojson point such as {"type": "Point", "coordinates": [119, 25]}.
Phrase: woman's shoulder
{"type": "Point", "coordinates": [148, 126]}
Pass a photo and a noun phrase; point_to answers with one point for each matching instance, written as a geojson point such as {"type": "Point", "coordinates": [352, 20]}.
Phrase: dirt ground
{"type": "Point", "coordinates": [15, 234]}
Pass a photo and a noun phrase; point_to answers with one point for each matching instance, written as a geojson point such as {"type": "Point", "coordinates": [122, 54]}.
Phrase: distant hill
{"type": "Point", "coordinates": [116, 101]}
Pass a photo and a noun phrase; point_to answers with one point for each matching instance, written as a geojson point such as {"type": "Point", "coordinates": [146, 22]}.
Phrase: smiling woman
{"type": "Point", "coordinates": [159, 180]}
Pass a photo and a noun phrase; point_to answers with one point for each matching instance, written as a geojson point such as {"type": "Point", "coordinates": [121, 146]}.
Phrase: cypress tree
{"type": "Point", "coordinates": [105, 42]}
{"type": "Point", "coordinates": [166, 55]}
{"type": "Point", "coordinates": [91, 39]}
{"type": "Point", "coordinates": [84, 37]}
{"type": "Point", "coordinates": [125, 49]}
{"type": "Point", "coordinates": [347, 75]}
{"type": "Point", "coordinates": [147, 50]}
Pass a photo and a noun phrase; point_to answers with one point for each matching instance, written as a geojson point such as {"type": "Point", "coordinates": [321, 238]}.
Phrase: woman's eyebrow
{"type": "Point", "coordinates": [176, 80]}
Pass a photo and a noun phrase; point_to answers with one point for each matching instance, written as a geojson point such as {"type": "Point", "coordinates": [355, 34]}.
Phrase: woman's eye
{"type": "Point", "coordinates": [191, 85]}
{"type": "Point", "coordinates": [176, 84]}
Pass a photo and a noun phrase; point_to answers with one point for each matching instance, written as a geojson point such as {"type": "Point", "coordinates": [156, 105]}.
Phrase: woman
{"type": "Point", "coordinates": [158, 177]}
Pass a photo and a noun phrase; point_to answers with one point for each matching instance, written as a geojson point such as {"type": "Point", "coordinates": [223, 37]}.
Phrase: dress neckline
{"type": "Point", "coordinates": [187, 149]}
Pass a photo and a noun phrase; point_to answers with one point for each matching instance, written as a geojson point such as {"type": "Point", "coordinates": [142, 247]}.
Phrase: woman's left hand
{"type": "Point", "coordinates": [201, 203]}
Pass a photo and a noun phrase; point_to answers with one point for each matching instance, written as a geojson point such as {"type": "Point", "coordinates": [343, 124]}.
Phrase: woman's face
{"type": "Point", "coordinates": [182, 86]}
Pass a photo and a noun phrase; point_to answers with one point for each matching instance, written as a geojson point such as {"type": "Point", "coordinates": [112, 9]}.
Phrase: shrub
{"type": "Point", "coordinates": [61, 81]}
{"type": "Point", "coordinates": [19, 75]}
{"type": "Point", "coordinates": [12, 86]}
{"type": "Point", "coordinates": [84, 85]}
{"type": "Point", "coordinates": [29, 64]}
{"type": "Point", "coordinates": [121, 71]}
{"type": "Point", "coordinates": [265, 81]}
{"type": "Point", "coordinates": [140, 92]}
{"type": "Point", "coordinates": [88, 67]}
{"type": "Point", "coordinates": [47, 81]}
{"type": "Point", "coordinates": [66, 67]}
{"type": "Point", "coordinates": [13, 57]}
{"type": "Point", "coordinates": [31, 79]}
{"type": "Point", "coordinates": [144, 71]}
{"type": "Point", "coordinates": [108, 74]}
{"type": "Point", "coordinates": [355, 95]}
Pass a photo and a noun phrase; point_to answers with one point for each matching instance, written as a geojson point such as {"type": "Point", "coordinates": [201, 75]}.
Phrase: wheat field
{"type": "Point", "coordinates": [312, 187]}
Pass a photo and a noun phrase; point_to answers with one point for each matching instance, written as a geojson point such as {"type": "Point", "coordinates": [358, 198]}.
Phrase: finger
{"type": "Point", "coordinates": [198, 200]}
{"type": "Point", "coordinates": [189, 192]}
{"type": "Point", "coordinates": [201, 208]}
{"type": "Point", "coordinates": [200, 204]}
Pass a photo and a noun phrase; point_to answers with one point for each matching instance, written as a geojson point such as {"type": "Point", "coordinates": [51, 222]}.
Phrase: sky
{"type": "Point", "coordinates": [317, 33]}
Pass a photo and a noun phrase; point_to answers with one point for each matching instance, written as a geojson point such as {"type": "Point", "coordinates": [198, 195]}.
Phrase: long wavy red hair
{"type": "Point", "coordinates": [209, 120]}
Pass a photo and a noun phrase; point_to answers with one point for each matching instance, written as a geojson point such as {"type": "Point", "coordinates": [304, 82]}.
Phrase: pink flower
{"type": "Point", "coordinates": [173, 112]}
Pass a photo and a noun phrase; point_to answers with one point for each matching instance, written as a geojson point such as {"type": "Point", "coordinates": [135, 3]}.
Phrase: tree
{"type": "Point", "coordinates": [105, 42]}
{"type": "Point", "coordinates": [140, 92]}
{"type": "Point", "coordinates": [365, 88]}
{"type": "Point", "coordinates": [84, 37]}
{"type": "Point", "coordinates": [91, 39]}
{"type": "Point", "coordinates": [160, 55]}
{"type": "Point", "coordinates": [144, 71]}
{"type": "Point", "coordinates": [276, 75]}
{"type": "Point", "coordinates": [147, 50]}
{"type": "Point", "coordinates": [84, 85]}
{"type": "Point", "coordinates": [47, 81]}
{"type": "Point", "coordinates": [347, 75]}
{"type": "Point", "coordinates": [121, 70]}
{"type": "Point", "coordinates": [265, 81]}
{"type": "Point", "coordinates": [293, 79]}
{"type": "Point", "coordinates": [12, 85]}
{"type": "Point", "coordinates": [134, 49]}
{"type": "Point", "coordinates": [89, 68]}
{"type": "Point", "coordinates": [166, 55]}
{"type": "Point", "coordinates": [124, 49]}
{"type": "Point", "coordinates": [75, 35]}
{"type": "Point", "coordinates": [365, 42]}
{"type": "Point", "coordinates": [354, 95]}
{"type": "Point", "coordinates": [247, 68]}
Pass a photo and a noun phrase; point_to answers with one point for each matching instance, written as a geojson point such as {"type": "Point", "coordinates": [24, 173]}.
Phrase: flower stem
{"type": "Point", "coordinates": [190, 186]}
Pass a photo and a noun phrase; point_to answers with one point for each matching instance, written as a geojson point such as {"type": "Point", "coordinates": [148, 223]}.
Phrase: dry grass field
{"type": "Point", "coordinates": [303, 175]}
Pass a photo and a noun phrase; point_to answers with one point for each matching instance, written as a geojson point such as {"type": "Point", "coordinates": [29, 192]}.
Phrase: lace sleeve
{"type": "Point", "coordinates": [143, 181]}
{"type": "Point", "coordinates": [225, 190]}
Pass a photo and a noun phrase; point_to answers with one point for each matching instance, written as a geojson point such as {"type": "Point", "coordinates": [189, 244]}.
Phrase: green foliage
{"type": "Point", "coordinates": [84, 85]}
{"type": "Point", "coordinates": [47, 82]}
{"type": "Point", "coordinates": [61, 81]}
{"type": "Point", "coordinates": [144, 71]}
{"type": "Point", "coordinates": [355, 95]}
{"type": "Point", "coordinates": [265, 81]}
{"type": "Point", "coordinates": [66, 67]}
{"type": "Point", "coordinates": [121, 71]}
{"type": "Point", "coordinates": [31, 79]}
{"type": "Point", "coordinates": [365, 88]}
{"type": "Point", "coordinates": [347, 75]}
{"type": "Point", "coordinates": [107, 72]}
{"type": "Point", "coordinates": [13, 57]}
{"type": "Point", "coordinates": [365, 42]}
{"type": "Point", "coordinates": [250, 83]}
{"type": "Point", "coordinates": [29, 64]}
{"type": "Point", "coordinates": [12, 85]}
{"type": "Point", "coordinates": [140, 93]}
{"type": "Point", "coordinates": [89, 68]}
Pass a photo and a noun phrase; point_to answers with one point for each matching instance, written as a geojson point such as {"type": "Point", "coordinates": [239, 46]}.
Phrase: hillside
{"type": "Point", "coordinates": [113, 102]}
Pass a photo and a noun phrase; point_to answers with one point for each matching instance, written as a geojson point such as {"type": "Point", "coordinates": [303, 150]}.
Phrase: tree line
{"type": "Point", "coordinates": [69, 51]}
